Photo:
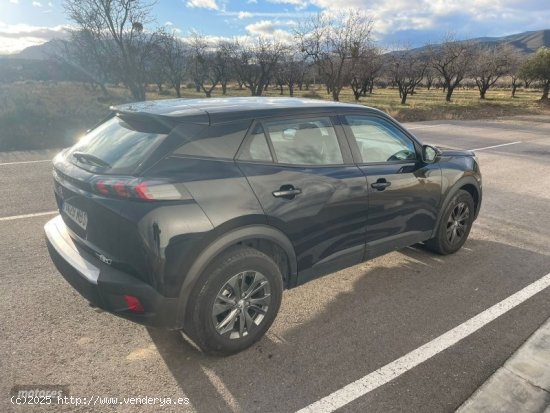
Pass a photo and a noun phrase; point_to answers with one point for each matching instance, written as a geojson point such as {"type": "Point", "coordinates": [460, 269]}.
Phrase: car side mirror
{"type": "Point", "coordinates": [430, 154]}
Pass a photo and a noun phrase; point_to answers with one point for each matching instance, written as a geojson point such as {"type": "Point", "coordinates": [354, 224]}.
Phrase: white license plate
{"type": "Point", "coordinates": [77, 215]}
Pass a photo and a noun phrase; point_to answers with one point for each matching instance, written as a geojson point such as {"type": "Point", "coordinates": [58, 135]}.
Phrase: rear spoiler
{"type": "Point", "coordinates": [148, 112]}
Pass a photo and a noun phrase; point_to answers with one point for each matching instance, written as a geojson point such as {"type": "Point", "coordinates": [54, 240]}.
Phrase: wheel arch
{"type": "Point", "coordinates": [264, 238]}
{"type": "Point", "coordinates": [466, 183]}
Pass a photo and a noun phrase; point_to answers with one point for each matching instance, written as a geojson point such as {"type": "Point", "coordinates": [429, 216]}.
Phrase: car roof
{"type": "Point", "coordinates": [221, 110]}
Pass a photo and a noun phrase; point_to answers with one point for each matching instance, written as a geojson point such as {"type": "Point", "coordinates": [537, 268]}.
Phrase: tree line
{"type": "Point", "coordinates": [111, 43]}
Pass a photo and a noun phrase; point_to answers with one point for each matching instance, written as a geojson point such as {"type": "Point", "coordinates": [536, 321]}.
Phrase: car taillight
{"type": "Point", "coordinates": [133, 188]}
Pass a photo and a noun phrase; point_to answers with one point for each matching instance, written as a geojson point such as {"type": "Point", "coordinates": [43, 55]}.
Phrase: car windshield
{"type": "Point", "coordinates": [115, 146]}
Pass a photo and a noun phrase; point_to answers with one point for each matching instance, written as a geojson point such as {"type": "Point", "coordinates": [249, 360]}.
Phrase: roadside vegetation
{"type": "Point", "coordinates": [114, 56]}
{"type": "Point", "coordinates": [39, 115]}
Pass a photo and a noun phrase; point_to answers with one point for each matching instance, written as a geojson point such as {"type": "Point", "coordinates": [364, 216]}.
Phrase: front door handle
{"type": "Point", "coordinates": [287, 192]}
{"type": "Point", "coordinates": [380, 185]}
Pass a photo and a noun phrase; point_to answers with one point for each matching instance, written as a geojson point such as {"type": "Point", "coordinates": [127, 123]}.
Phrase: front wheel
{"type": "Point", "coordinates": [455, 225]}
{"type": "Point", "coordinates": [237, 299]}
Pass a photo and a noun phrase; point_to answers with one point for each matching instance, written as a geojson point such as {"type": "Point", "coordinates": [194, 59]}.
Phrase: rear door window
{"type": "Point", "coordinates": [217, 141]}
{"type": "Point", "coordinates": [115, 146]}
{"type": "Point", "coordinates": [257, 149]}
{"type": "Point", "coordinates": [306, 141]}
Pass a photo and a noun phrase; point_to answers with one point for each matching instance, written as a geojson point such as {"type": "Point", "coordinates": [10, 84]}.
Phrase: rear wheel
{"type": "Point", "coordinates": [455, 225]}
{"type": "Point", "coordinates": [236, 301]}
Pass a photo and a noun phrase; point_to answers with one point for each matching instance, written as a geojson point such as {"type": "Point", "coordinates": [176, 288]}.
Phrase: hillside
{"type": "Point", "coordinates": [526, 42]}
{"type": "Point", "coordinates": [40, 52]}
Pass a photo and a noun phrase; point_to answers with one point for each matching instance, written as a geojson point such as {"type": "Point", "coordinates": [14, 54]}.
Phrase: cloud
{"type": "Point", "coordinates": [272, 29]}
{"type": "Point", "coordinates": [272, 15]}
{"type": "Point", "coordinates": [14, 1]}
{"type": "Point", "coordinates": [244, 15]}
{"type": "Point", "coordinates": [168, 24]}
{"type": "Point", "coordinates": [36, 4]}
{"type": "Point", "coordinates": [14, 38]}
{"type": "Point", "coordinates": [252, 2]}
{"type": "Point", "coordinates": [298, 4]}
{"type": "Point", "coordinates": [203, 4]}
{"type": "Point", "coordinates": [268, 27]}
{"type": "Point", "coordinates": [468, 18]}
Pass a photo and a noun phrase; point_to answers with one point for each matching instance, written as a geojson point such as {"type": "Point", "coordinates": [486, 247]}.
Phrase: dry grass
{"type": "Point", "coordinates": [423, 105]}
{"type": "Point", "coordinates": [37, 115]}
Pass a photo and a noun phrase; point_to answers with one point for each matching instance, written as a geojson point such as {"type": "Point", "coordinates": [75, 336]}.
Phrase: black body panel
{"type": "Point", "coordinates": [158, 249]}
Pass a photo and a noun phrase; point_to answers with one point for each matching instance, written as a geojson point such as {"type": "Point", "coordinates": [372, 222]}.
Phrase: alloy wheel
{"type": "Point", "coordinates": [457, 224]}
{"type": "Point", "coordinates": [241, 304]}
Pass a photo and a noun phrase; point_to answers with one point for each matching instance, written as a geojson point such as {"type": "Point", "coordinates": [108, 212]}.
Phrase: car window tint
{"type": "Point", "coordinates": [379, 140]}
{"type": "Point", "coordinates": [307, 141]}
{"type": "Point", "coordinates": [218, 141]}
{"type": "Point", "coordinates": [118, 145]}
{"type": "Point", "coordinates": [256, 148]}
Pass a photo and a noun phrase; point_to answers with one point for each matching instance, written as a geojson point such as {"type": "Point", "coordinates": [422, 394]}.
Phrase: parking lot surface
{"type": "Point", "coordinates": [329, 333]}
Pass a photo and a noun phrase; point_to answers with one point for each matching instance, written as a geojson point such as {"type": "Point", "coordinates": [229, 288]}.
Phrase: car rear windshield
{"type": "Point", "coordinates": [116, 146]}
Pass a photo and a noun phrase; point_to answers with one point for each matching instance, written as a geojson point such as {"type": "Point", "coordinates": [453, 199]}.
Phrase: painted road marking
{"type": "Point", "coordinates": [38, 214]}
{"type": "Point", "coordinates": [23, 162]}
{"type": "Point", "coordinates": [396, 368]}
{"type": "Point", "coordinates": [425, 127]}
{"type": "Point", "coordinates": [495, 146]}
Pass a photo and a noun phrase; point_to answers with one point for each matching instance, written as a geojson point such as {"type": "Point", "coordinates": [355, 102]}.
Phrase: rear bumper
{"type": "Point", "coordinates": [103, 285]}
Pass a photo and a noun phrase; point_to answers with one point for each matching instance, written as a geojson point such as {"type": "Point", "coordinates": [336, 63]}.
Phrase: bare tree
{"type": "Point", "coordinates": [490, 63]}
{"type": "Point", "coordinates": [255, 63]}
{"type": "Point", "coordinates": [157, 71]}
{"type": "Point", "coordinates": [407, 69]}
{"type": "Point", "coordinates": [88, 56]}
{"type": "Point", "coordinates": [515, 60]}
{"type": "Point", "coordinates": [290, 71]}
{"type": "Point", "coordinates": [429, 75]}
{"type": "Point", "coordinates": [222, 64]}
{"type": "Point", "coordinates": [173, 57]}
{"type": "Point", "coordinates": [452, 60]}
{"type": "Point", "coordinates": [336, 44]}
{"type": "Point", "coordinates": [364, 71]}
{"type": "Point", "coordinates": [206, 65]}
{"type": "Point", "coordinates": [118, 25]}
{"type": "Point", "coordinates": [359, 77]}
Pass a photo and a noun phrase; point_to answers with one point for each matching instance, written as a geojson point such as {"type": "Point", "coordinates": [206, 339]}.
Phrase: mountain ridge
{"type": "Point", "coordinates": [525, 42]}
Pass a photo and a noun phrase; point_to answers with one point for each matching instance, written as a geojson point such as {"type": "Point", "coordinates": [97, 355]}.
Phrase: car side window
{"type": "Point", "coordinates": [256, 147]}
{"type": "Point", "coordinates": [218, 141]}
{"type": "Point", "coordinates": [380, 141]}
{"type": "Point", "coordinates": [306, 141]}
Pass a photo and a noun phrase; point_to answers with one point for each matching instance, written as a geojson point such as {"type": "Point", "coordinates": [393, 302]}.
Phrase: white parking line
{"type": "Point", "coordinates": [496, 146]}
{"type": "Point", "coordinates": [396, 368]}
{"type": "Point", "coordinates": [425, 127]}
{"type": "Point", "coordinates": [38, 214]}
{"type": "Point", "coordinates": [23, 162]}
{"type": "Point", "coordinates": [222, 389]}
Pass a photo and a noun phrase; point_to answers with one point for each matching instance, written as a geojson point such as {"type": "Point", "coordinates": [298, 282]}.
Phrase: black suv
{"type": "Point", "coordinates": [197, 214]}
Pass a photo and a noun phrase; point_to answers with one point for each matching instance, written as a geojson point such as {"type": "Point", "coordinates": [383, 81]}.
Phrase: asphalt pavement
{"type": "Point", "coordinates": [387, 321]}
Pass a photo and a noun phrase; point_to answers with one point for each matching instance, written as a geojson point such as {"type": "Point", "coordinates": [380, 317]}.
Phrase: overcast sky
{"type": "Point", "coordinates": [28, 22]}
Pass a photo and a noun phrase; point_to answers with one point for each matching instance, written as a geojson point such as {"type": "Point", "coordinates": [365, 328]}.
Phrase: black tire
{"type": "Point", "coordinates": [200, 320]}
{"type": "Point", "coordinates": [443, 243]}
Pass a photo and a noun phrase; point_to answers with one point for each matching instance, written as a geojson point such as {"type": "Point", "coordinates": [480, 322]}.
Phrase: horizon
{"type": "Point", "coordinates": [27, 23]}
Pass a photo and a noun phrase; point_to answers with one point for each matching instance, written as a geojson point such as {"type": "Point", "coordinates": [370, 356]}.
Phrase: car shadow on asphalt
{"type": "Point", "coordinates": [336, 329]}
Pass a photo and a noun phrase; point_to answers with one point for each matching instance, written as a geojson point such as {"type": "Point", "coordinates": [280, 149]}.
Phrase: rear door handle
{"type": "Point", "coordinates": [287, 192]}
{"type": "Point", "coordinates": [380, 185]}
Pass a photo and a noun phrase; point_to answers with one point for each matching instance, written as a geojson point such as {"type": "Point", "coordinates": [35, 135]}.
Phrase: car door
{"type": "Point", "coordinates": [404, 192]}
{"type": "Point", "coordinates": [303, 174]}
